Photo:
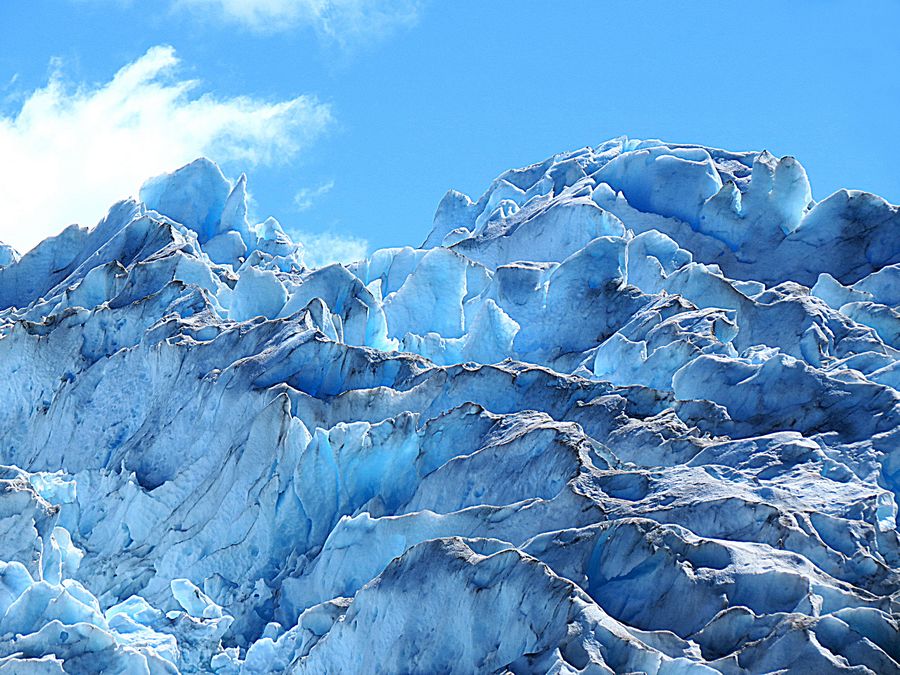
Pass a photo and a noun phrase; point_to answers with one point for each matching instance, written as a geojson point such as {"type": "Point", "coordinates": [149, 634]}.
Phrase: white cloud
{"type": "Point", "coordinates": [325, 247]}
{"type": "Point", "coordinates": [340, 20]}
{"type": "Point", "coordinates": [305, 197]}
{"type": "Point", "coordinates": [71, 150]}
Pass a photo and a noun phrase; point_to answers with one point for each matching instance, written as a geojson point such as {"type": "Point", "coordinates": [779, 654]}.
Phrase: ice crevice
{"type": "Point", "coordinates": [636, 408]}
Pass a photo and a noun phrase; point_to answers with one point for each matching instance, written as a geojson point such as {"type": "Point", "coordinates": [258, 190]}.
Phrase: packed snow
{"type": "Point", "coordinates": [634, 409]}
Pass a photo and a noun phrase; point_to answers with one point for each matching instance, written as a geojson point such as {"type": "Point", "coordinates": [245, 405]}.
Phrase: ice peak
{"type": "Point", "coordinates": [193, 195]}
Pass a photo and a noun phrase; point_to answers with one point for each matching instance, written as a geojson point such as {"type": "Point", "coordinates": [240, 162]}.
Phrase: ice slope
{"type": "Point", "coordinates": [634, 409]}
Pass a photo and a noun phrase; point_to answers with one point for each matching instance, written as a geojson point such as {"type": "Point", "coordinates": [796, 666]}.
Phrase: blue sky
{"type": "Point", "coordinates": [353, 117]}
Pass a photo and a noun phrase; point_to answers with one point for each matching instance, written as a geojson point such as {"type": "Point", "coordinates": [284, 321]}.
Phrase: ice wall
{"type": "Point", "coordinates": [633, 409]}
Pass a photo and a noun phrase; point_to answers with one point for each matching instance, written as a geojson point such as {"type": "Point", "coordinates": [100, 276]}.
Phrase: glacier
{"type": "Point", "coordinates": [636, 408]}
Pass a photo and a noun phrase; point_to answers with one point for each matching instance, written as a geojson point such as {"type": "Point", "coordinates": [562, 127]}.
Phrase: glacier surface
{"type": "Point", "coordinates": [634, 409]}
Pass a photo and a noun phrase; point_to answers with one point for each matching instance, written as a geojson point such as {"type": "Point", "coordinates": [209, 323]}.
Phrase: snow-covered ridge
{"type": "Point", "coordinates": [634, 409]}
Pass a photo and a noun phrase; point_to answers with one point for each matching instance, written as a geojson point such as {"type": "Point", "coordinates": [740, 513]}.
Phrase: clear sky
{"type": "Point", "coordinates": [353, 117]}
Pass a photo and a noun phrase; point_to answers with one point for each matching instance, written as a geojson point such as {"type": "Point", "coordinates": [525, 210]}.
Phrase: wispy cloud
{"type": "Point", "coordinates": [71, 150]}
{"type": "Point", "coordinates": [305, 197]}
{"type": "Point", "coordinates": [327, 247]}
{"type": "Point", "coordinates": [340, 20]}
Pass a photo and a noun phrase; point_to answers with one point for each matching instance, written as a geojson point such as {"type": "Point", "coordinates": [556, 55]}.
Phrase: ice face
{"type": "Point", "coordinates": [636, 408]}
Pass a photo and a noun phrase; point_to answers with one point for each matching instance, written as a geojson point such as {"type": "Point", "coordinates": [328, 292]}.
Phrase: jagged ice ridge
{"type": "Point", "coordinates": [635, 409]}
